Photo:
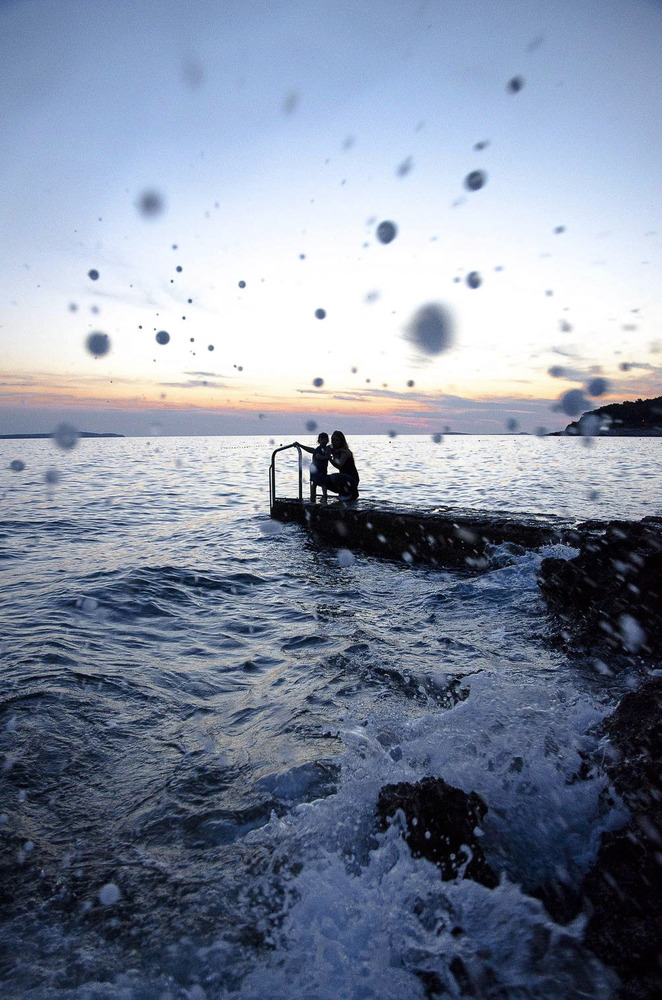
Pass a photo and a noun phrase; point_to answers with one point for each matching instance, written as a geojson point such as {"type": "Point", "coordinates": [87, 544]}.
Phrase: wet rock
{"type": "Point", "coordinates": [623, 889]}
{"type": "Point", "coordinates": [441, 825]}
{"type": "Point", "coordinates": [610, 595]}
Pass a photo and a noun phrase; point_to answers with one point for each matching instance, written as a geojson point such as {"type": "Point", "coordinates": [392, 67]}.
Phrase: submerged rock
{"type": "Point", "coordinates": [441, 826]}
{"type": "Point", "coordinates": [610, 595]}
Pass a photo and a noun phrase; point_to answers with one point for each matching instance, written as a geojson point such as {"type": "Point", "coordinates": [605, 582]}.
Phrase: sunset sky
{"type": "Point", "coordinates": [270, 140]}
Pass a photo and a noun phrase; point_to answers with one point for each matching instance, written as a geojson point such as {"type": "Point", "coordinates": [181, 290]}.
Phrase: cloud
{"type": "Point", "coordinates": [194, 384]}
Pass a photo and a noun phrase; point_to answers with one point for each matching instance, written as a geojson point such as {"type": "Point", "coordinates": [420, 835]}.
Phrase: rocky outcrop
{"type": "Point", "coordinates": [440, 825]}
{"type": "Point", "coordinates": [610, 595]}
{"type": "Point", "coordinates": [622, 891]}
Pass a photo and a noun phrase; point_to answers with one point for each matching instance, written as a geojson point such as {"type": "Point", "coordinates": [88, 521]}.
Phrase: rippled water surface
{"type": "Point", "coordinates": [199, 707]}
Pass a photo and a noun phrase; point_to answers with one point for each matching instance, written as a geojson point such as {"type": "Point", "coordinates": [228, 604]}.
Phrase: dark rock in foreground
{"type": "Point", "coordinates": [623, 890]}
{"type": "Point", "coordinates": [610, 595]}
{"type": "Point", "coordinates": [441, 821]}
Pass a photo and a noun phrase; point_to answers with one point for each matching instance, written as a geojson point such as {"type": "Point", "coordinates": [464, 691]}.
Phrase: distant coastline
{"type": "Point", "coordinates": [633, 418]}
{"type": "Point", "coordinates": [81, 434]}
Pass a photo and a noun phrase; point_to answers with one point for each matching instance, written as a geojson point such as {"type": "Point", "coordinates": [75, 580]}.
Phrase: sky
{"type": "Point", "coordinates": [224, 165]}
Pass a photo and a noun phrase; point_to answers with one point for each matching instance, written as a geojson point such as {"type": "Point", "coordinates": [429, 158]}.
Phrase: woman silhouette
{"type": "Point", "coordinates": [345, 482]}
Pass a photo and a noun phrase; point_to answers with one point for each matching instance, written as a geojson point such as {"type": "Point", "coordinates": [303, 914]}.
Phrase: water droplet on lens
{"type": "Point", "coordinates": [17, 465]}
{"type": "Point", "coordinates": [512, 424]}
{"type": "Point", "coordinates": [52, 477]}
{"type": "Point", "coordinates": [474, 279]}
{"type": "Point", "coordinates": [210, 347]}
{"type": "Point", "coordinates": [405, 167]}
{"type": "Point", "coordinates": [431, 329]}
{"type": "Point", "coordinates": [345, 557]}
{"type": "Point", "coordinates": [386, 231]}
{"type": "Point", "coordinates": [97, 344]}
{"type": "Point", "coordinates": [318, 382]}
{"type": "Point", "coordinates": [93, 274]}
{"type": "Point", "coordinates": [320, 313]}
{"type": "Point", "coordinates": [475, 180]}
{"type": "Point", "coordinates": [150, 204]}
{"type": "Point", "coordinates": [597, 386]}
{"type": "Point", "coordinates": [559, 229]}
{"type": "Point", "coordinates": [410, 383]}
{"type": "Point", "coordinates": [242, 284]}
{"type": "Point", "coordinates": [162, 337]}
{"type": "Point", "coordinates": [556, 371]}
{"type": "Point", "coordinates": [65, 436]}
{"type": "Point", "coordinates": [483, 144]}
{"type": "Point", "coordinates": [573, 402]}
{"type": "Point", "coordinates": [515, 85]}
{"type": "Point", "coordinates": [437, 438]}
{"type": "Point", "coordinates": [109, 894]}
{"type": "Point", "coordinates": [311, 425]}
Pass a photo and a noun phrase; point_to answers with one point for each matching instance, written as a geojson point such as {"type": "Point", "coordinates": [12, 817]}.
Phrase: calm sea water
{"type": "Point", "coordinates": [199, 706]}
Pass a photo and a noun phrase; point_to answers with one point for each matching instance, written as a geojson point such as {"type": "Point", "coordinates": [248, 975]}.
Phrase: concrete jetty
{"type": "Point", "coordinates": [442, 536]}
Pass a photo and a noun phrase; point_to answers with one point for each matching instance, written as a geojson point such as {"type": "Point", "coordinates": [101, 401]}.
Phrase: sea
{"type": "Point", "coordinates": [199, 706]}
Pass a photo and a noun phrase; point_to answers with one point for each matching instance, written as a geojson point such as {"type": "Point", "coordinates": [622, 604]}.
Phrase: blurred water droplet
{"type": "Point", "coordinates": [475, 180]}
{"type": "Point", "coordinates": [271, 527]}
{"type": "Point", "coordinates": [65, 436]}
{"type": "Point", "coordinates": [573, 402]}
{"type": "Point", "coordinates": [109, 894]}
{"type": "Point", "coordinates": [392, 433]}
{"type": "Point", "coordinates": [16, 465]}
{"type": "Point", "coordinates": [150, 204]}
{"type": "Point", "coordinates": [512, 424]}
{"type": "Point", "coordinates": [210, 347]}
{"type": "Point", "coordinates": [405, 167]}
{"type": "Point", "coordinates": [540, 432]}
{"type": "Point", "coordinates": [597, 386]}
{"type": "Point", "coordinates": [556, 371]}
{"type": "Point", "coordinates": [483, 144]}
{"type": "Point", "coordinates": [311, 426]}
{"type": "Point", "coordinates": [410, 383]}
{"type": "Point", "coordinates": [318, 382]}
{"type": "Point", "coordinates": [437, 438]}
{"type": "Point", "coordinates": [559, 229]}
{"type": "Point", "coordinates": [242, 284]}
{"type": "Point", "coordinates": [52, 477]}
{"type": "Point", "coordinates": [564, 326]}
{"type": "Point", "coordinates": [162, 337]}
{"type": "Point", "coordinates": [593, 494]}
{"type": "Point", "coordinates": [320, 313]}
{"type": "Point", "coordinates": [386, 231]}
{"type": "Point", "coordinates": [431, 329]}
{"type": "Point", "coordinates": [345, 557]}
{"type": "Point", "coordinates": [97, 343]}
{"type": "Point", "coordinates": [515, 84]}
{"type": "Point", "coordinates": [474, 279]}
{"type": "Point", "coordinates": [290, 103]}
{"type": "Point", "coordinates": [93, 274]}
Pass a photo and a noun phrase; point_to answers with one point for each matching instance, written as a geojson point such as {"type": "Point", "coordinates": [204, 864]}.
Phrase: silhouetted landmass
{"type": "Point", "coordinates": [81, 434]}
{"type": "Point", "coordinates": [633, 418]}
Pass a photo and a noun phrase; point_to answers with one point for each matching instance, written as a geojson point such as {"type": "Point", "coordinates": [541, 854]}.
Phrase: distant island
{"type": "Point", "coordinates": [81, 434]}
{"type": "Point", "coordinates": [633, 418]}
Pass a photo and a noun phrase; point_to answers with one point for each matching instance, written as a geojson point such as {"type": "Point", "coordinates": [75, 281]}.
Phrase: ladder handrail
{"type": "Point", "coordinates": [272, 471]}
